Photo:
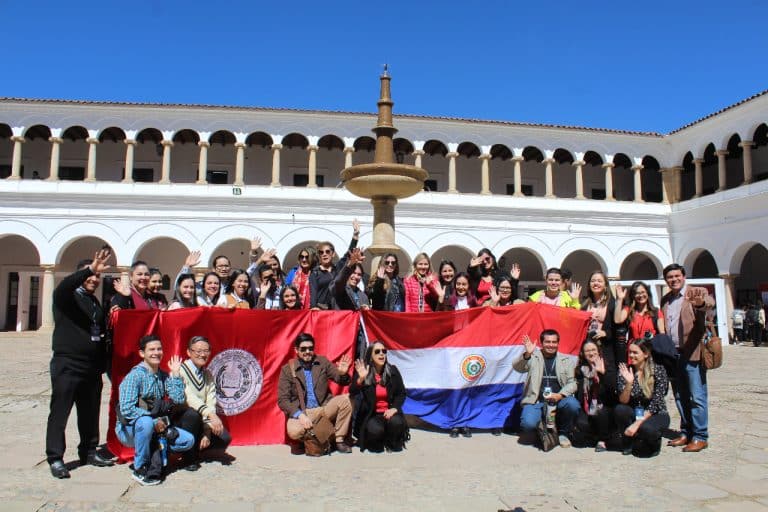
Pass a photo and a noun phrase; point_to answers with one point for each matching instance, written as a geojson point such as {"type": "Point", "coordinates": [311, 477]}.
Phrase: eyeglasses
{"type": "Point", "coordinates": [307, 349]}
{"type": "Point", "coordinates": [505, 288]}
{"type": "Point", "coordinates": [223, 266]}
{"type": "Point", "coordinates": [303, 256]}
{"type": "Point", "coordinates": [380, 351]}
{"type": "Point", "coordinates": [391, 262]}
{"type": "Point", "coordinates": [203, 352]}
{"type": "Point", "coordinates": [325, 251]}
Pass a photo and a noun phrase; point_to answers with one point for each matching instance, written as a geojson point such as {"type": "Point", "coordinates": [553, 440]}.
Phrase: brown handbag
{"type": "Point", "coordinates": [711, 349]}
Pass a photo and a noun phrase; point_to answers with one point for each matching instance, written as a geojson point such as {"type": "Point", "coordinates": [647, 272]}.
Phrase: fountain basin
{"type": "Point", "coordinates": [384, 179]}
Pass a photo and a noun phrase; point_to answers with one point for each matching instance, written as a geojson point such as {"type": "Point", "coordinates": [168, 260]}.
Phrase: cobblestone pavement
{"type": "Point", "coordinates": [484, 473]}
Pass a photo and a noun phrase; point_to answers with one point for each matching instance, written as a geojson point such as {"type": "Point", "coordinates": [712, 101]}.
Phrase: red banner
{"type": "Point", "coordinates": [238, 338]}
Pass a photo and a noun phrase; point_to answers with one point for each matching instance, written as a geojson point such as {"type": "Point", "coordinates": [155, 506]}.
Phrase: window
{"type": "Point", "coordinates": [143, 175]}
{"type": "Point", "coordinates": [72, 173]}
{"type": "Point", "coordinates": [217, 177]}
{"type": "Point", "coordinates": [302, 180]}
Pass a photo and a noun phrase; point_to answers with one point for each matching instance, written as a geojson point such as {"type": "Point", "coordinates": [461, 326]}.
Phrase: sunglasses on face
{"type": "Point", "coordinates": [325, 251]}
{"type": "Point", "coordinates": [379, 351]}
{"type": "Point", "coordinates": [393, 263]}
{"type": "Point", "coordinates": [307, 349]}
{"type": "Point", "coordinates": [303, 256]}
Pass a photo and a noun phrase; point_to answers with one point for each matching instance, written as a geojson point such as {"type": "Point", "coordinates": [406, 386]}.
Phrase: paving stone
{"type": "Point", "coordinates": [77, 491]}
{"type": "Point", "coordinates": [22, 506]}
{"type": "Point", "coordinates": [744, 487]}
{"type": "Point", "coordinates": [756, 456]}
{"type": "Point", "coordinates": [696, 491]}
{"type": "Point", "coordinates": [737, 506]}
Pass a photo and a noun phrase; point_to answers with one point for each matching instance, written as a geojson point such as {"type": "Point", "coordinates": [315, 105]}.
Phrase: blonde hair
{"type": "Point", "coordinates": [418, 258]}
{"type": "Point", "coordinates": [647, 381]}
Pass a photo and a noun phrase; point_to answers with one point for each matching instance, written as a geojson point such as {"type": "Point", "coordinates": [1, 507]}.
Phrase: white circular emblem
{"type": "Point", "coordinates": [238, 378]}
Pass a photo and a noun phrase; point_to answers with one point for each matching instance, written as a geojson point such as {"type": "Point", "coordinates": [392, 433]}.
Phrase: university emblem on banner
{"type": "Point", "coordinates": [238, 378]}
{"type": "Point", "coordinates": [472, 367]}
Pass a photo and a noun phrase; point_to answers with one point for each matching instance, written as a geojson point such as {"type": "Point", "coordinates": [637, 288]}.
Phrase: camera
{"type": "Point", "coordinates": [591, 335]}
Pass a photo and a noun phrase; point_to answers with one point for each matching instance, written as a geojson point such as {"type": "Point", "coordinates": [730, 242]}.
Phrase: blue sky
{"type": "Point", "coordinates": [647, 66]}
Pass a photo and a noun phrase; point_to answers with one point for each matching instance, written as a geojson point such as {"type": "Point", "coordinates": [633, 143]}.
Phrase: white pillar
{"type": "Point", "coordinates": [202, 163]}
{"type": "Point", "coordinates": [130, 146]}
{"type": "Point", "coordinates": [729, 281]}
{"type": "Point", "coordinates": [549, 186]}
{"type": "Point", "coordinates": [698, 177]}
{"type": "Point", "coordinates": [609, 182]}
{"type": "Point", "coordinates": [53, 173]}
{"type": "Point", "coordinates": [22, 303]}
{"type": "Point", "coordinates": [16, 162]}
{"type": "Point", "coordinates": [46, 295]}
{"type": "Point", "coordinates": [638, 183]}
{"type": "Point", "coordinates": [485, 174]}
{"type": "Point", "coordinates": [721, 168]}
{"type": "Point", "coordinates": [348, 156]}
{"type": "Point", "coordinates": [417, 154]}
{"type": "Point", "coordinates": [518, 176]}
{"type": "Point", "coordinates": [239, 164]}
{"type": "Point", "coordinates": [452, 171]}
{"type": "Point", "coordinates": [747, 145]}
{"type": "Point", "coordinates": [579, 164]}
{"type": "Point", "coordinates": [276, 164]}
{"type": "Point", "coordinates": [91, 172]}
{"type": "Point", "coordinates": [165, 175]}
{"type": "Point", "coordinates": [312, 166]}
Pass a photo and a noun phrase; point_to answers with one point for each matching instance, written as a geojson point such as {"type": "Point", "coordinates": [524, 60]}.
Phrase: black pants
{"type": "Point", "coordinates": [381, 433]}
{"type": "Point", "coordinates": [647, 439]}
{"type": "Point", "coordinates": [191, 421]}
{"type": "Point", "coordinates": [83, 390]}
{"type": "Point", "coordinates": [599, 427]}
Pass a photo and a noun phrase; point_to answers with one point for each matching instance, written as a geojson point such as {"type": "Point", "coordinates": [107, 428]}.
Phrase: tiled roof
{"type": "Point", "coordinates": [713, 114]}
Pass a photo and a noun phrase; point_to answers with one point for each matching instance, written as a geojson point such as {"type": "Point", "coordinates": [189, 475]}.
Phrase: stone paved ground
{"type": "Point", "coordinates": [480, 474]}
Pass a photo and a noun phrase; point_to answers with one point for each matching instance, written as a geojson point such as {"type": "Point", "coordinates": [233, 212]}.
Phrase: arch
{"type": "Point", "coordinates": [223, 137]}
{"type": "Point", "coordinates": [330, 142]}
{"type": "Point", "coordinates": [537, 246]}
{"type": "Point", "coordinates": [753, 274]}
{"type": "Point", "coordinates": [259, 139]}
{"type": "Point", "coordinates": [737, 258]}
{"type": "Point", "coordinates": [236, 249]}
{"type": "Point", "coordinates": [760, 135]}
{"type": "Point", "coordinates": [651, 180]}
{"type": "Point", "coordinates": [112, 133]}
{"type": "Point", "coordinates": [5, 131]}
{"type": "Point", "coordinates": [640, 266]}
{"type": "Point", "coordinates": [18, 250]}
{"type": "Point", "coordinates": [623, 179]}
{"type": "Point", "coordinates": [364, 143]}
{"type": "Point", "coordinates": [64, 237]}
{"type": "Point", "coordinates": [162, 252]}
{"type": "Point", "coordinates": [532, 153]}
{"type": "Point", "coordinates": [404, 146]}
{"type": "Point", "coordinates": [186, 136]}
{"type": "Point", "coordinates": [149, 135]}
{"type": "Point", "coordinates": [656, 252]}
{"type": "Point", "coordinates": [582, 263]}
{"type": "Point", "coordinates": [144, 235]}
{"type": "Point", "coordinates": [704, 265]}
{"type": "Point", "coordinates": [40, 131]}
{"type": "Point", "coordinates": [563, 156]}
{"type": "Point", "coordinates": [593, 158]}
{"type": "Point", "coordinates": [501, 152]}
{"type": "Point", "coordinates": [458, 254]}
{"type": "Point", "coordinates": [208, 244]}
{"type": "Point", "coordinates": [435, 147]}
{"type": "Point", "coordinates": [31, 233]}
{"type": "Point", "coordinates": [594, 246]}
{"type": "Point", "coordinates": [78, 249]}
{"type": "Point", "coordinates": [74, 133]}
{"type": "Point", "coordinates": [468, 149]}
{"type": "Point", "coordinates": [290, 258]}
{"type": "Point", "coordinates": [531, 263]}
{"type": "Point", "coordinates": [451, 238]}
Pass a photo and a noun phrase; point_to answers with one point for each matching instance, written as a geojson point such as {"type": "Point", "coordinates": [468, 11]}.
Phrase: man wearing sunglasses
{"type": "Point", "coordinates": [303, 394]}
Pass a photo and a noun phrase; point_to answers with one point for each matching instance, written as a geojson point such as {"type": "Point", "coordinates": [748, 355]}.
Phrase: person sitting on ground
{"type": "Point", "coordinates": [303, 394]}
{"type": "Point", "coordinates": [200, 392]}
{"type": "Point", "coordinates": [321, 277]}
{"type": "Point", "coordinates": [298, 276]}
{"type": "Point", "coordinates": [642, 413]}
{"type": "Point", "coordinates": [460, 296]}
{"type": "Point", "coordinates": [289, 298]}
{"type": "Point", "coordinates": [144, 402]}
{"type": "Point", "coordinates": [602, 305]}
{"type": "Point", "coordinates": [385, 288]}
{"type": "Point", "coordinates": [209, 292]}
{"type": "Point", "coordinates": [554, 295]}
{"type": "Point", "coordinates": [420, 287]}
{"type": "Point", "coordinates": [501, 293]}
{"type": "Point", "coordinates": [596, 396]}
{"type": "Point", "coordinates": [185, 295]}
{"type": "Point", "coordinates": [379, 420]}
{"type": "Point", "coordinates": [239, 296]}
{"type": "Point", "coordinates": [268, 292]}
{"type": "Point", "coordinates": [550, 380]}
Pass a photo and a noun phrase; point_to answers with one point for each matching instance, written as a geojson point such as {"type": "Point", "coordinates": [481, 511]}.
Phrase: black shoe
{"type": "Point", "coordinates": [466, 432]}
{"type": "Point", "coordinates": [192, 466]}
{"type": "Point", "coordinates": [343, 447]}
{"type": "Point", "coordinates": [495, 432]}
{"type": "Point", "coordinates": [141, 476]}
{"type": "Point", "coordinates": [94, 459]}
{"type": "Point", "coordinates": [454, 432]}
{"type": "Point", "coordinates": [59, 470]}
{"type": "Point", "coordinates": [297, 448]}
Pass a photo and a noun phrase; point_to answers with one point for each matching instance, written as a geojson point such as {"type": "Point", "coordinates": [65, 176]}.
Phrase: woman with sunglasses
{"type": "Point", "coordinates": [185, 295]}
{"type": "Point", "coordinates": [421, 294]}
{"type": "Point", "coordinates": [642, 412]}
{"type": "Point", "coordinates": [298, 276]}
{"type": "Point", "coordinates": [321, 277]}
{"type": "Point", "coordinates": [200, 418]}
{"type": "Point", "coordinates": [239, 296]}
{"type": "Point", "coordinates": [378, 390]}
{"type": "Point", "coordinates": [385, 288]}
{"type": "Point", "coordinates": [482, 271]}
{"type": "Point", "coordinates": [211, 288]}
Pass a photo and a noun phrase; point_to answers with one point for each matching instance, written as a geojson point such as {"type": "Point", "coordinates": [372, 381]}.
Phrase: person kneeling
{"type": "Point", "coordinates": [550, 383]}
{"type": "Point", "coordinates": [147, 394]}
{"type": "Point", "coordinates": [642, 413]}
{"type": "Point", "coordinates": [379, 420]}
{"type": "Point", "coordinates": [200, 418]}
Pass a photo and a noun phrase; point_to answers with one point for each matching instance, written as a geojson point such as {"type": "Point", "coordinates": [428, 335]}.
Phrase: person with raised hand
{"type": "Point", "coordinates": [421, 291]}
{"type": "Point", "coordinates": [321, 277]}
{"type": "Point", "coordinates": [385, 288]}
{"type": "Point", "coordinates": [554, 294]}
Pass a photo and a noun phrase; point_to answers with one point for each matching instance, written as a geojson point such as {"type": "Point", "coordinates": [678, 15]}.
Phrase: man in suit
{"type": "Point", "coordinates": [685, 309]}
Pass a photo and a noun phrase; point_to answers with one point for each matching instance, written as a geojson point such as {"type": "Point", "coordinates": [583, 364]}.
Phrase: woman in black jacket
{"type": "Point", "coordinates": [378, 392]}
{"type": "Point", "coordinates": [601, 304]}
{"type": "Point", "coordinates": [596, 394]}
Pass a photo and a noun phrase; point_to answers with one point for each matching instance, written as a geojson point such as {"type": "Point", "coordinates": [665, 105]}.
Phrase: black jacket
{"type": "Point", "coordinates": [365, 398]}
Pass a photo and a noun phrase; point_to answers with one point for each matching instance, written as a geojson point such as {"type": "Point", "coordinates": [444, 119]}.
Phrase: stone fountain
{"type": "Point", "coordinates": [384, 181]}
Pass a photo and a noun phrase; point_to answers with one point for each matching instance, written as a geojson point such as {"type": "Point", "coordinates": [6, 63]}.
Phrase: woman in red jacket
{"type": "Point", "coordinates": [420, 290]}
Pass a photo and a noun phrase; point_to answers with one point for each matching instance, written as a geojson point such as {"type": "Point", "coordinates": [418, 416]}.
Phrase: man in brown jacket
{"type": "Point", "coordinates": [303, 394]}
{"type": "Point", "coordinates": [685, 309]}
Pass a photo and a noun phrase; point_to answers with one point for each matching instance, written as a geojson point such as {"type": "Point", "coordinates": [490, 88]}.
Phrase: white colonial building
{"type": "Point", "coordinates": [157, 181]}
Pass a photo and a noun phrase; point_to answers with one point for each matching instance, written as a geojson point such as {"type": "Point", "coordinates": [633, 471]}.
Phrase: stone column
{"type": "Point", "coordinates": [348, 156]}
{"type": "Point", "coordinates": [46, 297]}
{"type": "Point", "coordinates": [485, 174]}
{"type": "Point", "coordinates": [747, 146]}
{"type": "Point", "coordinates": [239, 164]}
{"type": "Point", "coordinates": [609, 182]}
{"type": "Point", "coordinates": [579, 164]}
{"type": "Point", "coordinates": [165, 175]}
{"type": "Point", "coordinates": [452, 171]}
{"type": "Point", "coordinates": [91, 170]}
{"type": "Point", "coordinates": [722, 182]}
{"type": "Point", "coordinates": [638, 183]}
{"type": "Point", "coordinates": [698, 177]}
{"type": "Point", "coordinates": [53, 173]}
{"type": "Point", "coordinates": [671, 180]}
{"type": "Point", "coordinates": [549, 186]}
{"type": "Point", "coordinates": [729, 281]}
{"type": "Point", "coordinates": [417, 157]}
{"type": "Point", "coordinates": [22, 303]}
{"type": "Point", "coordinates": [312, 166]}
{"type": "Point", "coordinates": [276, 164]}
{"type": "Point", "coordinates": [16, 162]}
{"type": "Point", "coordinates": [130, 147]}
{"type": "Point", "coordinates": [518, 176]}
{"type": "Point", "coordinates": [202, 163]}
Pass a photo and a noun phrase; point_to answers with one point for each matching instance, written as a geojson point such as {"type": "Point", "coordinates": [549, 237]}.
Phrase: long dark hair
{"type": "Point", "coordinates": [440, 272]}
{"type": "Point", "coordinates": [215, 298]}
{"type": "Point", "coordinates": [294, 290]}
{"type": "Point", "coordinates": [631, 297]}
{"type": "Point", "coordinates": [494, 268]}
{"type": "Point", "coordinates": [231, 284]}
{"type": "Point", "coordinates": [386, 372]}
{"type": "Point", "coordinates": [454, 298]}
{"type": "Point", "coordinates": [177, 292]}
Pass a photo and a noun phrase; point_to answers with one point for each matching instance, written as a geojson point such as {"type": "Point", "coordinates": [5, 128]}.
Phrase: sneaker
{"type": "Point", "coordinates": [564, 441]}
{"type": "Point", "coordinates": [454, 432]}
{"type": "Point", "coordinates": [466, 432]}
{"type": "Point", "coordinates": [140, 475]}
{"type": "Point", "coordinates": [600, 446]}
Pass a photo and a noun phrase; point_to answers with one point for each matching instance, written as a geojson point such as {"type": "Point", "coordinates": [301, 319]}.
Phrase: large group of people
{"type": "Point", "coordinates": [612, 398]}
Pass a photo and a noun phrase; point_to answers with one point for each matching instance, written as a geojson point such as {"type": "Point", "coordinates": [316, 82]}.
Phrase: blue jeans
{"type": "Point", "coordinates": [690, 389]}
{"type": "Point", "coordinates": [140, 434]}
{"type": "Point", "coordinates": [567, 411]}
